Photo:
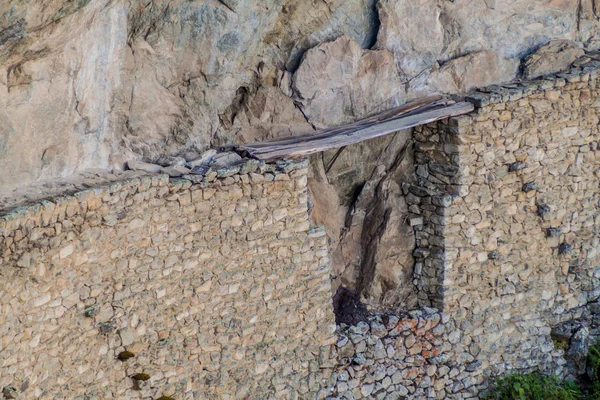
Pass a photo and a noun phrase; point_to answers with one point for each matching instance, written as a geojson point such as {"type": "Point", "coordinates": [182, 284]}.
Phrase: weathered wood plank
{"type": "Point", "coordinates": [395, 112]}
{"type": "Point", "coordinates": [358, 132]}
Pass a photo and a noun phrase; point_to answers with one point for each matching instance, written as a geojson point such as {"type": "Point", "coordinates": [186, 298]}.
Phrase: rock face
{"type": "Point", "coordinates": [462, 74]}
{"type": "Point", "coordinates": [339, 82]}
{"type": "Point", "coordinates": [416, 45]}
{"type": "Point", "coordinates": [557, 55]}
{"type": "Point", "coordinates": [92, 84]}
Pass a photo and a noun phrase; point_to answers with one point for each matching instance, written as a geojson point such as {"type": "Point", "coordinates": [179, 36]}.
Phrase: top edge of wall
{"type": "Point", "coordinates": [223, 176]}
{"type": "Point", "coordinates": [513, 91]}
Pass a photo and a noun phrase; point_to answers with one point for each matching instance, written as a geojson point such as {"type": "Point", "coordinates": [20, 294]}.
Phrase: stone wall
{"type": "Point", "coordinates": [413, 355]}
{"type": "Point", "coordinates": [508, 216]}
{"type": "Point", "coordinates": [217, 288]}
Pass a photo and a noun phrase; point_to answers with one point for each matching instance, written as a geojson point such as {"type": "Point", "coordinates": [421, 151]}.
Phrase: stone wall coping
{"type": "Point", "coordinates": [252, 171]}
{"type": "Point", "coordinates": [497, 94]}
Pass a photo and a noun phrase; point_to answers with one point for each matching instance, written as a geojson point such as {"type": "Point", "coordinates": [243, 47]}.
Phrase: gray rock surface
{"type": "Point", "coordinates": [558, 55]}
{"type": "Point", "coordinates": [142, 166]}
{"type": "Point", "coordinates": [338, 82]}
{"type": "Point", "coordinates": [91, 84]}
{"type": "Point", "coordinates": [415, 45]}
{"type": "Point", "coordinates": [462, 74]}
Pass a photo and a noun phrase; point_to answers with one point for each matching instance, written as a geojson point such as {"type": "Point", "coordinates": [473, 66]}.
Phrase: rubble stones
{"type": "Point", "coordinates": [224, 164]}
{"type": "Point", "coordinates": [418, 358]}
{"type": "Point", "coordinates": [175, 171]}
{"type": "Point", "coordinates": [222, 160]}
{"type": "Point", "coordinates": [142, 166]}
{"type": "Point", "coordinates": [168, 161]}
{"type": "Point", "coordinates": [204, 159]}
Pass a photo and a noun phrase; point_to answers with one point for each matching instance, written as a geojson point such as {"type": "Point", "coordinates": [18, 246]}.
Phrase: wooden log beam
{"type": "Point", "coordinates": [410, 115]}
{"type": "Point", "coordinates": [393, 113]}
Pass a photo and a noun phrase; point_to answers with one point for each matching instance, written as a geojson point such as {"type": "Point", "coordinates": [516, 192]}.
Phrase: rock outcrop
{"type": "Point", "coordinates": [92, 84]}
{"type": "Point", "coordinates": [462, 74]}
{"type": "Point", "coordinates": [338, 82]}
{"type": "Point", "coordinates": [557, 55]}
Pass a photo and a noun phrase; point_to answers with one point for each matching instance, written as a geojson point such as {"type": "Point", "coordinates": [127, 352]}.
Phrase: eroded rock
{"type": "Point", "coordinates": [339, 82]}
{"type": "Point", "coordinates": [416, 46]}
{"type": "Point", "coordinates": [555, 56]}
{"type": "Point", "coordinates": [222, 160]}
{"type": "Point", "coordinates": [175, 171]}
{"type": "Point", "coordinates": [203, 159]}
{"type": "Point", "coordinates": [465, 73]}
{"type": "Point", "coordinates": [105, 81]}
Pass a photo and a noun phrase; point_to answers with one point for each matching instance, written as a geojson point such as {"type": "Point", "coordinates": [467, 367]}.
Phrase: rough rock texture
{"type": "Point", "coordinates": [417, 355]}
{"type": "Point", "coordinates": [369, 220]}
{"type": "Point", "coordinates": [558, 55]}
{"type": "Point", "coordinates": [338, 82]}
{"type": "Point", "coordinates": [462, 74]}
{"type": "Point", "coordinates": [419, 33]}
{"type": "Point", "coordinates": [93, 83]}
{"type": "Point", "coordinates": [413, 31]}
{"type": "Point", "coordinates": [218, 284]}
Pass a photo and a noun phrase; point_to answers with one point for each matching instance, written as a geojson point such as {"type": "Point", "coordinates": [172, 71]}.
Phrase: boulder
{"type": "Point", "coordinates": [264, 114]}
{"type": "Point", "coordinates": [577, 353]}
{"type": "Point", "coordinates": [555, 56]}
{"type": "Point", "coordinates": [175, 171]}
{"type": "Point", "coordinates": [222, 160]}
{"type": "Point", "coordinates": [462, 74]}
{"type": "Point", "coordinates": [338, 82]}
{"type": "Point", "coordinates": [166, 161]}
{"type": "Point", "coordinates": [302, 25]}
{"type": "Point", "coordinates": [203, 159]}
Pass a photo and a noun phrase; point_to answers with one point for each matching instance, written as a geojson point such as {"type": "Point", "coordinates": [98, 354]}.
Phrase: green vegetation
{"type": "Point", "coordinates": [560, 343]}
{"type": "Point", "coordinates": [534, 386]}
{"type": "Point", "coordinates": [593, 361]}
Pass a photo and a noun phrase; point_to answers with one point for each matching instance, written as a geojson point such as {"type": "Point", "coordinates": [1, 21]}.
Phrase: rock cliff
{"type": "Point", "coordinates": [92, 84]}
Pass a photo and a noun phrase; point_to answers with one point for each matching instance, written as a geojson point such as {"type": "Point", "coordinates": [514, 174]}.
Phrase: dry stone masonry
{"type": "Point", "coordinates": [508, 216]}
{"type": "Point", "coordinates": [150, 287]}
{"type": "Point", "coordinates": [411, 355]}
{"type": "Point", "coordinates": [217, 285]}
